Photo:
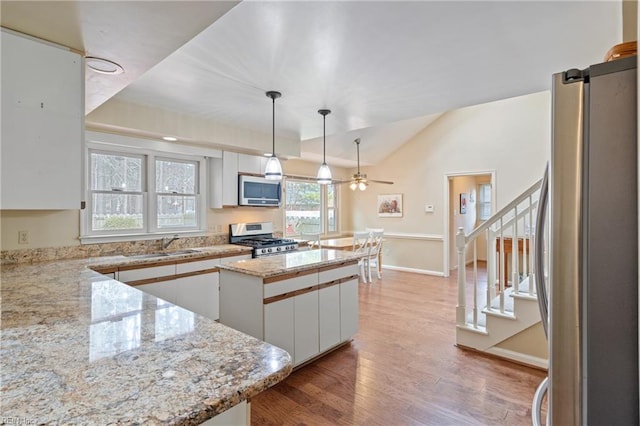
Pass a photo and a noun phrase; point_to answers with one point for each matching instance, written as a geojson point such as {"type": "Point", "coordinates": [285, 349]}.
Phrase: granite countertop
{"type": "Point", "coordinates": [78, 347]}
{"type": "Point", "coordinates": [269, 266]}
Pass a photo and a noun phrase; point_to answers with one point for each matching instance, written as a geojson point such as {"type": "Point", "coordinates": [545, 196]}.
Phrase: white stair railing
{"type": "Point", "coordinates": [512, 227]}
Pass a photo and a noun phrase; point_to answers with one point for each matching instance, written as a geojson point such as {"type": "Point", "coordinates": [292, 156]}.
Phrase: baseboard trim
{"type": "Point", "coordinates": [413, 270]}
{"type": "Point", "coordinates": [530, 360]}
{"type": "Point", "coordinates": [511, 356]}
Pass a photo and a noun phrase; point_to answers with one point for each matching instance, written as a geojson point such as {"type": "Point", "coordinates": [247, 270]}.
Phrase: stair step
{"type": "Point", "coordinates": [506, 314]}
{"type": "Point", "coordinates": [479, 329]}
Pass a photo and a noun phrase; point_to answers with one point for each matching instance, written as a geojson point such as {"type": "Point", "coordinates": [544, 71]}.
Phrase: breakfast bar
{"type": "Point", "coordinates": [79, 347]}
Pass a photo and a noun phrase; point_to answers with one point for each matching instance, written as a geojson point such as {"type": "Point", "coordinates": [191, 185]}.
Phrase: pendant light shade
{"type": "Point", "coordinates": [273, 169]}
{"type": "Point", "coordinates": [324, 173]}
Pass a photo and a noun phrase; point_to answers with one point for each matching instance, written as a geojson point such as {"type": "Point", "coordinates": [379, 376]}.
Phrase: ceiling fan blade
{"type": "Point", "coordinates": [386, 182]}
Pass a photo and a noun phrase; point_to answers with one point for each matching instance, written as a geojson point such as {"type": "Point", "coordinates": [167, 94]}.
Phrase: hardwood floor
{"type": "Point", "coordinates": [402, 368]}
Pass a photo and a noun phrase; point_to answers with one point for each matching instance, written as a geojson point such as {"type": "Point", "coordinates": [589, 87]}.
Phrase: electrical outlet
{"type": "Point", "coordinates": [23, 237]}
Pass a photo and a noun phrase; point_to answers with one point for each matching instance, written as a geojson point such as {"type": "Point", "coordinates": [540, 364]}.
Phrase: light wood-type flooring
{"type": "Point", "coordinates": [402, 368]}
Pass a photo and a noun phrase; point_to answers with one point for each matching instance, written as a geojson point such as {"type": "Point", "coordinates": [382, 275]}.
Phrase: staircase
{"type": "Point", "coordinates": [503, 302]}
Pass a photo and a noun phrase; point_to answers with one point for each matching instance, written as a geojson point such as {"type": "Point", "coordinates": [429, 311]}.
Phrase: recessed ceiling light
{"type": "Point", "coordinates": [170, 138]}
{"type": "Point", "coordinates": [103, 66]}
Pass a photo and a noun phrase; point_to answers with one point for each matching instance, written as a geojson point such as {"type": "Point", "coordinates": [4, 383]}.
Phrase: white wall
{"type": "Point", "coordinates": [511, 137]}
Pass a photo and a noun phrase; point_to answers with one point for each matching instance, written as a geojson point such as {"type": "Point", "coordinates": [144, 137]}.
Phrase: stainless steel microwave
{"type": "Point", "coordinates": [258, 191]}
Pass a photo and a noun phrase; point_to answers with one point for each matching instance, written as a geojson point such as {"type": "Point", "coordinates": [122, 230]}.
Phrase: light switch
{"type": "Point", "coordinates": [428, 208]}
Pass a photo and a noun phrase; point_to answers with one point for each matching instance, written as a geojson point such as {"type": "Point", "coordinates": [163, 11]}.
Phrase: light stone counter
{"type": "Point", "coordinates": [270, 266]}
{"type": "Point", "coordinates": [79, 348]}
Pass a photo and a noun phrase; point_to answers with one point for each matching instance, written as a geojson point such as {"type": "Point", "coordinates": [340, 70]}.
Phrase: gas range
{"type": "Point", "coordinates": [260, 237]}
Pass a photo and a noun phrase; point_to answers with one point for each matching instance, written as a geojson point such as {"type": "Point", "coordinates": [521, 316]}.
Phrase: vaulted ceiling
{"type": "Point", "coordinates": [386, 69]}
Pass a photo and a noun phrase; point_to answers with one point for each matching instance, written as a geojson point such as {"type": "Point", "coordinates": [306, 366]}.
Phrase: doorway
{"type": "Point", "coordinates": [465, 194]}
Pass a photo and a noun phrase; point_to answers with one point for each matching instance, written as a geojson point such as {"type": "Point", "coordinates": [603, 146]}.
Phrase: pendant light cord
{"type": "Point", "coordinates": [273, 126]}
{"type": "Point", "coordinates": [324, 139]}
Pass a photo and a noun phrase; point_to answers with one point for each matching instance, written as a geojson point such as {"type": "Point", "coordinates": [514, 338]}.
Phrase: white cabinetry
{"type": "Point", "coordinates": [223, 176]}
{"type": "Point", "coordinates": [251, 164]}
{"type": "Point", "coordinates": [279, 324]}
{"type": "Point", "coordinates": [306, 313]}
{"type": "Point", "coordinates": [42, 125]}
{"type": "Point", "coordinates": [329, 316]}
{"type": "Point", "coordinates": [306, 331]}
{"type": "Point", "coordinates": [348, 308]}
{"type": "Point", "coordinates": [193, 285]}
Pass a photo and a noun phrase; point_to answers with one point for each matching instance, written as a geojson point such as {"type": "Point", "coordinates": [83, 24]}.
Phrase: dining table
{"type": "Point", "coordinates": [344, 243]}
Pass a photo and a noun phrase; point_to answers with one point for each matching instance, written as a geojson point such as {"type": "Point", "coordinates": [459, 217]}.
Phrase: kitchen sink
{"type": "Point", "coordinates": [162, 254]}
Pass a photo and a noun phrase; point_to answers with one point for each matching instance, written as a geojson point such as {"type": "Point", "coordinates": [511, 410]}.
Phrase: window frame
{"type": "Point", "coordinates": [150, 223]}
{"type": "Point", "coordinates": [324, 208]}
{"type": "Point", "coordinates": [481, 201]}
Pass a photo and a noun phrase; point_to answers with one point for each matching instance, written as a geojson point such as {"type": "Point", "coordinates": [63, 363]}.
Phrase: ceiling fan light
{"type": "Point", "coordinates": [362, 186]}
{"type": "Point", "coordinates": [324, 174]}
{"type": "Point", "coordinates": [273, 169]}
{"type": "Point", "coordinates": [353, 186]}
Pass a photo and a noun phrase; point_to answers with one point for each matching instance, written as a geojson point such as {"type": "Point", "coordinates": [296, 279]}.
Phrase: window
{"type": "Point", "coordinates": [117, 200]}
{"type": "Point", "coordinates": [139, 192]}
{"type": "Point", "coordinates": [310, 207]}
{"type": "Point", "coordinates": [484, 201]}
{"type": "Point", "coordinates": [176, 193]}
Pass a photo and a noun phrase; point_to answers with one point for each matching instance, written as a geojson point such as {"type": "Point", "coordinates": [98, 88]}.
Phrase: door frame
{"type": "Point", "coordinates": [446, 262]}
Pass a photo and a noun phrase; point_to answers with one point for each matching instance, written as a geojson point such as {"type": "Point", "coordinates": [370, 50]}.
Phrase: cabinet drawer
{"type": "Point", "coordinates": [329, 274]}
{"type": "Point", "coordinates": [198, 265]}
{"type": "Point", "coordinates": [145, 273]}
{"type": "Point", "coordinates": [291, 284]}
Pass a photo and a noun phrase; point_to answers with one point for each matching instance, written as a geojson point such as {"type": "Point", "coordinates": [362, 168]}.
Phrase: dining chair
{"type": "Point", "coordinates": [313, 240]}
{"type": "Point", "coordinates": [361, 246]}
{"type": "Point", "coordinates": [373, 259]}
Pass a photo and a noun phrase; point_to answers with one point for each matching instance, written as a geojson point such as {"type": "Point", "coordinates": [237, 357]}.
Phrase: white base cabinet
{"type": "Point", "coordinates": [193, 285]}
{"type": "Point", "coordinates": [279, 324]}
{"type": "Point", "coordinates": [329, 317]}
{"type": "Point", "coordinates": [305, 313]}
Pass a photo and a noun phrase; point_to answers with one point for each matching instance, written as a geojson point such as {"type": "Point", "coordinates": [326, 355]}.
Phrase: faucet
{"type": "Point", "coordinates": [166, 241]}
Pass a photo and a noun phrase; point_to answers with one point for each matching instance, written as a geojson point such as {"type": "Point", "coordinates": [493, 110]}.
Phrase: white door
{"type": "Point", "coordinates": [278, 324]}
{"type": "Point", "coordinates": [348, 309]}
{"type": "Point", "coordinates": [306, 339]}
{"type": "Point", "coordinates": [164, 290]}
{"type": "Point", "coordinates": [329, 316]}
{"type": "Point", "coordinates": [199, 294]}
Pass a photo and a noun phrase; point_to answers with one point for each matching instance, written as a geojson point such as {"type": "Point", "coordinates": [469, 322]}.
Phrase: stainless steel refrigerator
{"type": "Point", "coordinates": [592, 271]}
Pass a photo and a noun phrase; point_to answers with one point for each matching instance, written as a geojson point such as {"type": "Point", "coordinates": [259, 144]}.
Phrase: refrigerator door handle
{"type": "Point", "coordinates": [541, 289]}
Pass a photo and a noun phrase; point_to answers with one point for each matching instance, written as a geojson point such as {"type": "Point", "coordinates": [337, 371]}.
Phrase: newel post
{"type": "Point", "coordinates": [462, 278]}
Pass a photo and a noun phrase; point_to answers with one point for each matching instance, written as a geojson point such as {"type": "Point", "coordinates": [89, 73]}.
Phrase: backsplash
{"type": "Point", "coordinates": [48, 254]}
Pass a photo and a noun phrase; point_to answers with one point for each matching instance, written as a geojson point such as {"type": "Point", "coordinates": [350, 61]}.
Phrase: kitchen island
{"type": "Point", "coordinates": [305, 302]}
{"type": "Point", "coordinates": [79, 347]}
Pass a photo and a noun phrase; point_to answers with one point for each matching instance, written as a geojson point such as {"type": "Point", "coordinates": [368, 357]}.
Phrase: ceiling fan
{"type": "Point", "coordinates": [359, 180]}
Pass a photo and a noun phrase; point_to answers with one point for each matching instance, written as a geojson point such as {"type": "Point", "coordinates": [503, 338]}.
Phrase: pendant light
{"type": "Point", "coordinates": [273, 169]}
{"type": "Point", "coordinates": [324, 173]}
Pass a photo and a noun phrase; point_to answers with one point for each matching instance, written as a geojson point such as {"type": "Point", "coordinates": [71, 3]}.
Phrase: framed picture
{"type": "Point", "coordinates": [463, 203]}
{"type": "Point", "coordinates": [390, 205]}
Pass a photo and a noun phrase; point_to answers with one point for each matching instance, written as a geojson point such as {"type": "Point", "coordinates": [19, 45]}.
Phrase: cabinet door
{"type": "Point", "coordinates": [306, 339]}
{"type": "Point", "coordinates": [164, 290]}
{"type": "Point", "coordinates": [42, 125]}
{"type": "Point", "coordinates": [348, 309]}
{"type": "Point", "coordinates": [278, 324]}
{"type": "Point", "coordinates": [199, 294]}
{"type": "Point", "coordinates": [251, 164]}
{"type": "Point", "coordinates": [229, 178]}
{"type": "Point", "coordinates": [329, 316]}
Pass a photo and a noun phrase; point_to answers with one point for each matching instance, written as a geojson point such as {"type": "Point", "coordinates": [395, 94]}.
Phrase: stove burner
{"type": "Point", "coordinates": [263, 243]}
